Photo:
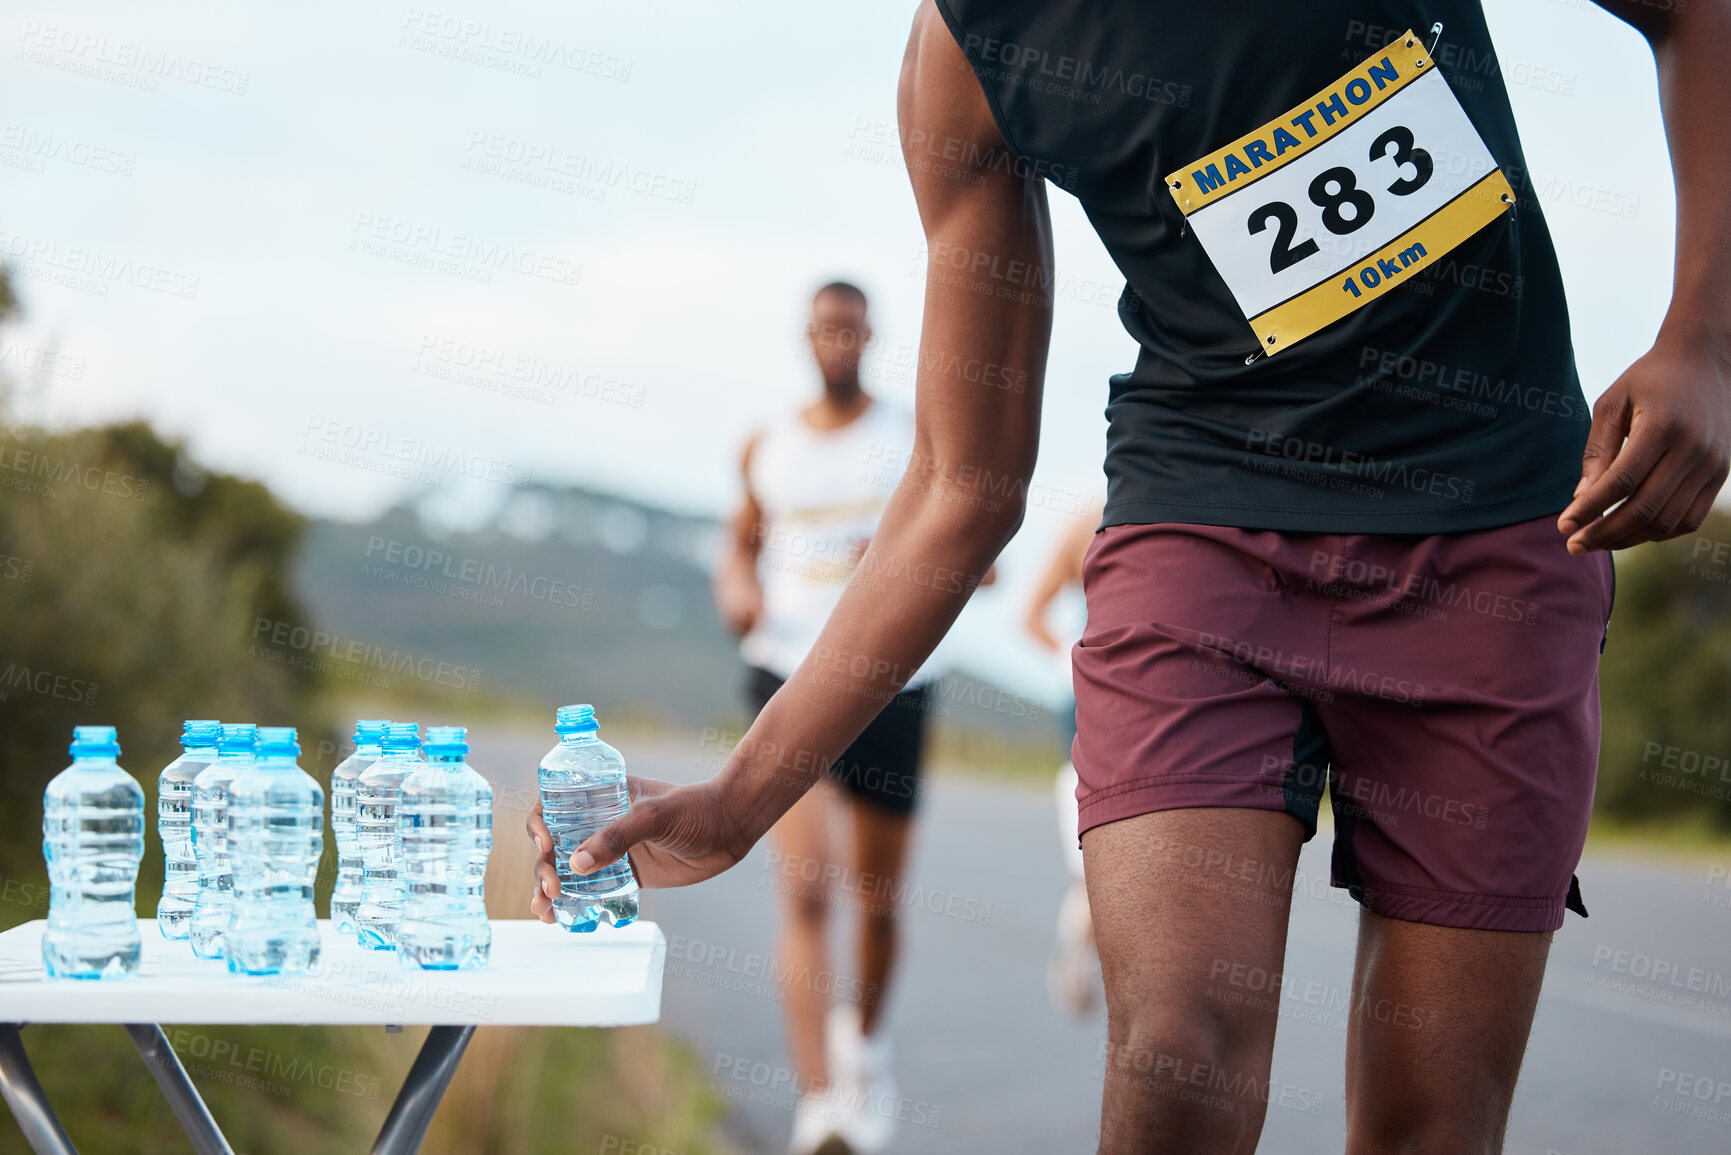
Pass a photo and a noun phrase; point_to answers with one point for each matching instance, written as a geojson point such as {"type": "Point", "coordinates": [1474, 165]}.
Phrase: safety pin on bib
{"type": "Point", "coordinates": [1435, 39]}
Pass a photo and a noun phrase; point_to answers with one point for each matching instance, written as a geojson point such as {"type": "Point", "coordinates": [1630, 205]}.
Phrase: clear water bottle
{"type": "Point", "coordinates": [93, 839]}
{"type": "Point", "coordinates": [174, 827]}
{"type": "Point", "coordinates": [346, 898]}
{"type": "Point", "coordinates": [377, 792]}
{"type": "Point", "coordinates": [276, 836]}
{"type": "Point", "coordinates": [445, 806]}
{"type": "Point", "coordinates": [582, 790]}
{"type": "Point", "coordinates": [482, 846]}
{"type": "Point", "coordinates": [234, 753]}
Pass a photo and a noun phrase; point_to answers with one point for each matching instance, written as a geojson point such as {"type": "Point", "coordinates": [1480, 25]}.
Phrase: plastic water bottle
{"type": "Point", "coordinates": [174, 827]}
{"type": "Point", "coordinates": [582, 790]}
{"type": "Point", "coordinates": [276, 836]}
{"type": "Point", "coordinates": [482, 846]}
{"type": "Point", "coordinates": [234, 753]}
{"type": "Point", "coordinates": [346, 898]}
{"type": "Point", "coordinates": [377, 793]}
{"type": "Point", "coordinates": [445, 806]}
{"type": "Point", "coordinates": [93, 839]}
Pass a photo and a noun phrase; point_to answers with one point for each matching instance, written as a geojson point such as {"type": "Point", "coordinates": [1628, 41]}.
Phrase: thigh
{"type": "Point", "coordinates": [1189, 677]}
{"type": "Point", "coordinates": [1464, 716]}
{"type": "Point", "coordinates": [1440, 1022]}
{"type": "Point", "coordinates": [880, 849]}
{"type": "Point", "coordinates": [1187, 902]}
{"type": "Point", "coordinates": [1190, 912]}
{"type": "Point", "coordinates": [801, 857]}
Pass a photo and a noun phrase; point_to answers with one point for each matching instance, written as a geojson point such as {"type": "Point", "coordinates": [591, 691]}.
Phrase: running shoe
{"type": "Point", "coordinates": [861, 1077]}
{"type": "Point", "coordinates": [819, 1120]}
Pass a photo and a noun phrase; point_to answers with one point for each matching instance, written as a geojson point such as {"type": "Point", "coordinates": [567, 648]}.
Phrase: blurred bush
{"type": "Point", "coordinates": [128, 595]}
{"type": "Point", "coordinates": [1665, 685]}
{"type": "Point", "coordinates": [131, 582]}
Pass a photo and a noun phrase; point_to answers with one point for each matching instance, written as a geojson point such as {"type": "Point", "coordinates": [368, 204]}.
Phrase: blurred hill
{"type": "Point", "coordinates": [571, 594]}
{"type": "Point", "coordinates": [562, 595]}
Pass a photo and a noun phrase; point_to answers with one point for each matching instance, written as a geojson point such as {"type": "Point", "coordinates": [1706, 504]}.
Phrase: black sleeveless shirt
{"type": "Point", "coordinates": [1447, 405]}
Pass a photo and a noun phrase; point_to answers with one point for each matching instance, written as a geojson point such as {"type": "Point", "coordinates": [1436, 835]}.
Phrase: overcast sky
{"type": "Point", "coordinates": [305, 207]}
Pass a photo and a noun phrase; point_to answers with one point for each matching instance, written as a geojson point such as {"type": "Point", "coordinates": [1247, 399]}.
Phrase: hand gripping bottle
{"type": "Point", "coordinates": [582, 790]}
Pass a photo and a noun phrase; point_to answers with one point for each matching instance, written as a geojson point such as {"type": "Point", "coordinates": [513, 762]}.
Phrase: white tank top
{"type": "Point", "coordinates": [822, 494]}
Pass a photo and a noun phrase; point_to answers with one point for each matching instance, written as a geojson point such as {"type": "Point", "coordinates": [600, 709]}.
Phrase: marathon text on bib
{"type": "Point", "coordinates": [1321, 211]}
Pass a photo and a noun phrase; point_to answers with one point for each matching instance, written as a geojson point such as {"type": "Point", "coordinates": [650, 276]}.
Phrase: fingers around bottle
{"type": "Point", "coordinates": [537, 829]}
{"type": "Point", "coordinates": [610, 842]}
{"type": "Point", "coordinates": [640, 788]}
{"type": "Point", "coordinates": [547, 879]}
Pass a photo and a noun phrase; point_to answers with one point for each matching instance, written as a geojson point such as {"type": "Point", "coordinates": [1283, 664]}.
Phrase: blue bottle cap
{"type": "Point", "coordinates": [401, 736]}
{"type": "Point", "coordinates": [200, 733]}
{"type": "Point", "coordinates": [574, 719]}
{"type": "Point", "coordinates": [446, 741]}
{"type": "Point", "coordinates": [237, 738]}
{"type": "Point", "coordinates": [368, 731]}
{"type": "Point", "coordinates": [94, 742]}
{"type": "Point", "coordinates": [276, 741]}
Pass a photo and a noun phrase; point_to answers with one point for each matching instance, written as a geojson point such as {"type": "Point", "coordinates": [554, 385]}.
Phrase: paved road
{"type": "Point", "coordinates": [1620, 1061]}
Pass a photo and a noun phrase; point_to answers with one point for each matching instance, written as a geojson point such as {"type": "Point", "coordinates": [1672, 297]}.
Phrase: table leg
{"type": "Point", "coordinates": [410, 1115]}
{"type": "Point", "coordinates": [182, 1096]}
{"type": "Point", "coordinates": [24, 1095]}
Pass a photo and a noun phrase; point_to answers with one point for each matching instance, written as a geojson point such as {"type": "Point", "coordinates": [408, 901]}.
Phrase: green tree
{"type": "Point", "coordinates": [128, 600]}
{"type": "Point", "coordinates": [1666, 683]}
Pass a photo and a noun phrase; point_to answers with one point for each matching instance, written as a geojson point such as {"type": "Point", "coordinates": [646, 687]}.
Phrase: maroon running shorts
{"type": "Point", "coordinates": [1444, 688]}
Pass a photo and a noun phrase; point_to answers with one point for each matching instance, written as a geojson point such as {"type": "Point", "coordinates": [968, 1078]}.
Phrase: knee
{"type": "Point", "coordinates": [808, 907]}
{"type": "Point", "coordinates": [878, 919]}
{"type": "Point", "coordinates": [1203, 1023]}
{"type": "Point", "coordinates": [1165, 1051]}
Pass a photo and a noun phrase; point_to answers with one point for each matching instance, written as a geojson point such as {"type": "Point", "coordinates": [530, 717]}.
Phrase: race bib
{"type": "Point", "coordinates": [1324, 209]}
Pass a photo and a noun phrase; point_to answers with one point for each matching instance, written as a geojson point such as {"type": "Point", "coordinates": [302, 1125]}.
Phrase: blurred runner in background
{"type": "Point", "coordinates": [1072, 975]}
{"type": "Point", "coordinates": [816, 482]}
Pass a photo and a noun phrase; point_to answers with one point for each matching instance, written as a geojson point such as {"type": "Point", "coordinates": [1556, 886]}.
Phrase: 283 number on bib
{"type": "Point", "coordinates": [1348, 184]}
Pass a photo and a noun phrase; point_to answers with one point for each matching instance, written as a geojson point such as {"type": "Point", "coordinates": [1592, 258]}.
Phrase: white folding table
{"type": "Point", "coordinates": [539, 975]}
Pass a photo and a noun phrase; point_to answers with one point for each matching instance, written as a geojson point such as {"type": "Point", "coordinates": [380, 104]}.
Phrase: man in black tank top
{"type": "Point", "coordinates": [1357, 526]}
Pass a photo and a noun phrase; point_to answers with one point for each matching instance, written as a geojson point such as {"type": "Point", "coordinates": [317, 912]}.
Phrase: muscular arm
{"type": "Point", "coordinates": [738, 594]}
{"type": "Point", "coordinates": [1065, 569]}
{"type": "Point", "coordinates": [1661, 434]}
{"type": "Point", "coordinates": [959, 502]}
